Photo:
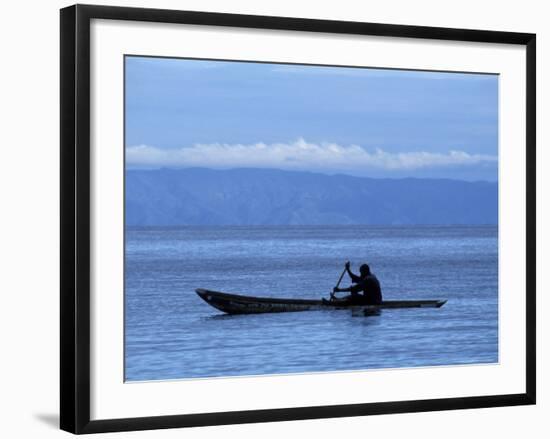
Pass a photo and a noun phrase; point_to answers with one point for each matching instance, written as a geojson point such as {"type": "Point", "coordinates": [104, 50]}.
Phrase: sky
{"type": "Point", "coordinates": [379, 123]}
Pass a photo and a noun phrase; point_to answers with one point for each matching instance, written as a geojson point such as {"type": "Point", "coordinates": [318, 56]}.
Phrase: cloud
{"type": "Point", "coordinates": [298, 155]}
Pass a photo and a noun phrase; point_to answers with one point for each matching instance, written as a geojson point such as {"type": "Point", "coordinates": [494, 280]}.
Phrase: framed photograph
{"type": "Point", "coordinates": [273, 218]}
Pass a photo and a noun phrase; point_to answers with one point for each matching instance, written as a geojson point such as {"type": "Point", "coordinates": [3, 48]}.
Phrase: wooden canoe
{"type": "Point", "coordinates": [238, 304]}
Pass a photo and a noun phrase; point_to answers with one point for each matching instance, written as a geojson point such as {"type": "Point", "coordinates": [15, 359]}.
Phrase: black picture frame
{"type": "Point", "coordinates": [75, 218]}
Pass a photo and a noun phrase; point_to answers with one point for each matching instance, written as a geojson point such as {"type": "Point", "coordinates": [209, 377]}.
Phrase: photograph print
{"type": "Point", "coordinates": [293, 218]}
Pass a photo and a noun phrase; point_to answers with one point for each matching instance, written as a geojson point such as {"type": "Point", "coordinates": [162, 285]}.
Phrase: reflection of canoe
{"type": "Point", "coordinates": [237, 304]}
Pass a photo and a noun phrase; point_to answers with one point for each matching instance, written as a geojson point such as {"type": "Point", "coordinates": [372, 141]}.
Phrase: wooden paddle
{"type": "Point", "coordinates": [338, 283]}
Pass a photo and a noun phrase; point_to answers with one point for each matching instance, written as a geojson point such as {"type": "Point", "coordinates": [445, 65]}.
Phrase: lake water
{"type": "Point", "coordinates": [171, 333]}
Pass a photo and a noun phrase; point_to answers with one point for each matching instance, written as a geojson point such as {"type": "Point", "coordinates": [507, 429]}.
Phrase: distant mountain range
{"type": "Point", "coordinates": [197, 196]}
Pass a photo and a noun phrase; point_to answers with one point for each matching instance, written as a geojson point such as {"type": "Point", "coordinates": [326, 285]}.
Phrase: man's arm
{"type": "Point", "coordinates": [353, 289]}
{"type": "Point", "coordinates": [354, 278]}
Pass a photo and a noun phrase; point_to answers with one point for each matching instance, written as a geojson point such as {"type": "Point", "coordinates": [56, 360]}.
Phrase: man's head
{"type": "Point", "coordinates": [364, 270]}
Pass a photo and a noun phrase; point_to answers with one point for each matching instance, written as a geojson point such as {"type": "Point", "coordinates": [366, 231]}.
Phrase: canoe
{"type": "Point", "coordinates": [238, 304]}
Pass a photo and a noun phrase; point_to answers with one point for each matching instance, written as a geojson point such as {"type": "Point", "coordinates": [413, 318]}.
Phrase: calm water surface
{"type": "Point", "coordinates": [171, 333]}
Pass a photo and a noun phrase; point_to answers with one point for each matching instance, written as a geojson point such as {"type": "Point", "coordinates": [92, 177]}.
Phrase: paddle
{"type": "Point", "coordinates": [338, 283]}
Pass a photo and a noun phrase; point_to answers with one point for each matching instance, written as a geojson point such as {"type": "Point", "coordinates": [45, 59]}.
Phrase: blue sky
{"type": "Point", "coordinates": [364, 122]}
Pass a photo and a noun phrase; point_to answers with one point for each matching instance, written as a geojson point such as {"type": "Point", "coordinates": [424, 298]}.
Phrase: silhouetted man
{"type": "Point", "coordinates": [365, 282]}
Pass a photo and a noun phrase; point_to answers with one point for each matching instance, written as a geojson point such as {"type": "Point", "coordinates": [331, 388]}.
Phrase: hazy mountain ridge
{"type": "Point", "coordinates": [197, 196]}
